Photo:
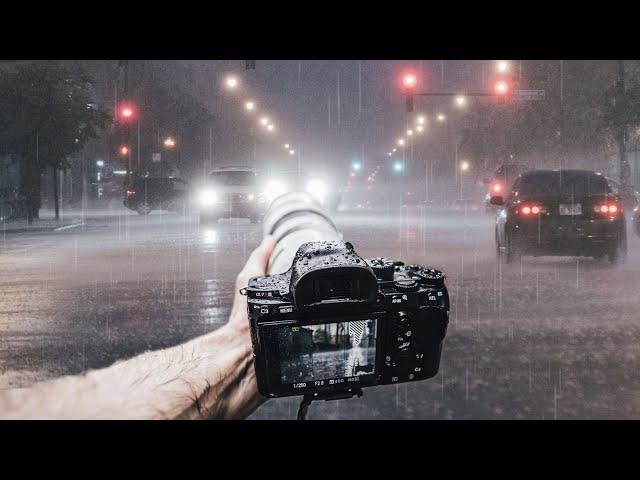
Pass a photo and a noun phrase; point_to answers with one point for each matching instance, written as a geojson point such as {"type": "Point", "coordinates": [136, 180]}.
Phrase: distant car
{"type": "Point", "coordinates": [156, 193]}
{"type": "Point", "coordinates": [560, 212]}
{"type": "Point", "coordinates": [500, 182]}
{"type": "Point", "coordinates": [231, 192]}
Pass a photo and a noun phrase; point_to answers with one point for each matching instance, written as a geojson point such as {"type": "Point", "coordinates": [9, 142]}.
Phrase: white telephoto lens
{"type": "Point", "coordinates": [293, 219]}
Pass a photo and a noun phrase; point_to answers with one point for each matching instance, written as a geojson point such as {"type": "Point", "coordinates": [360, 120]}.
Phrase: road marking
{"type": "Point", "coordinates": [66, 227]}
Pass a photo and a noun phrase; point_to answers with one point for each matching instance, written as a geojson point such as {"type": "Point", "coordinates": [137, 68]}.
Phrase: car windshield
{"type": "Point", "coordinates": [238, 178]}
{"type": "Point", "coordinates": [564, 183]}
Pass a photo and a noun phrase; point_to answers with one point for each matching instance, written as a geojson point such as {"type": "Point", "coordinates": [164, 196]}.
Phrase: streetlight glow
{"type": "Point", "coordinates": [231, 82]}
{"type": "Point", "coordinates": [401, 141]}
{"type": "Point", "coordinates": [356, 166]}
{"type": "Point", "coordinates": [292, 152]}
{"type": "Point", "coordinates": [264, 121]}
{"type": "Point", "coordinates": [398, 167]}
{"type": "Point", "coordinates": [461, 101]}
{"type": "Point", "coordinates": [249, 106]}
{"type": "Point", "coordinates": [409, 132]}
{"type": "Point", "coordinates": [502, 66]}
{"type": "Point", "coordinates": [286, 146]}
{"type": "Point", "coordinates": [464, 165]}
{"type": "Point", "coordinates": [441, 117]}
{"type": "Point", "coordinates": [419, 129]}
{"type": "Point", "coordinates": [420, 120]}
{"type": "Point", "coordinates": [271, 127]}
{"type": "Point", "coordinates": [169, 142]}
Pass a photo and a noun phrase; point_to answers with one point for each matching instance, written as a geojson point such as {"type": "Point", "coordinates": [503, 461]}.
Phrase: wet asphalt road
{"type": "Point", "coordinates": [543, 339]}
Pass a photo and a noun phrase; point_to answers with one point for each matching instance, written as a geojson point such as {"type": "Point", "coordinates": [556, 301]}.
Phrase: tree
{"type": "Point", "coordinates": [46, 115]}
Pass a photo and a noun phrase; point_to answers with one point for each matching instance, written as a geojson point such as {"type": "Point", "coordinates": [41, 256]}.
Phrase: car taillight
{"type": "Point", "coordinates": [609, 209]}
{"type": "Point", "coordinates": [530, 209]}
{"type": "Point", "coordinates": [496, 188]}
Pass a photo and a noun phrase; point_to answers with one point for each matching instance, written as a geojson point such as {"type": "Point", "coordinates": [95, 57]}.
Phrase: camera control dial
{"type": "Point", "coordinates": [382, 267]}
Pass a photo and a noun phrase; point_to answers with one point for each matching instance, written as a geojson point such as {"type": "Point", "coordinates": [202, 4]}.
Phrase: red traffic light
{"type": "Point", "coordinates": [409, 81]}
{"type": "Point", "coordinates": [126, 112]}
{"type": "Point", "coordinates": [501, 88]}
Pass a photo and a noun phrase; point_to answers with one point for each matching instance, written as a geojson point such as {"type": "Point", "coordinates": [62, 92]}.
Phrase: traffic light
{"type": "Point", "coordinates": [408, 85]}
{"type": "Point", "coordinates": [126, 112]}
{"type": "Point", "coordinates": [409, 81]}
{"type": "Point", "coordinates": [501, 88]}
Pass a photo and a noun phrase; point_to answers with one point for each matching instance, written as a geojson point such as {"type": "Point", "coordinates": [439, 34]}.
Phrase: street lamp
{"type": "Point", "coordinates": [420, 120]}
{"type": "Point", "coordinates": [502, 66]}
{"type": "Point", "coordinates": [271, 127]}
{"type": "Point", "coordinates": [419, 129]}
{"type": "Point", "coordinates": [231, 82]}
{"type": "Point", "coordinates": [292, 152]}
{"type": "Point", "coordinates": [264, 121]}
{"type": "Point", "coordinates": [464, 165]}
{"type": "Point", "coordinates": [409, 132]}
{"type": "Point", "coordinates": [400, 142]}
{"type": "Point", "coordinates": [286, 146]}
{"type": "Point", "coordinates": [398, 167]}
{"type": "Point", "coordinates": [169, 142]}
{"type": "Point", "coordinates": [461, 101]}
{"type": "Point", "coordinates": [356, 166]}
{"type": "Point", "coordinates": [249, 106]}
{"type": "Point", "coordinates": [441, 118]}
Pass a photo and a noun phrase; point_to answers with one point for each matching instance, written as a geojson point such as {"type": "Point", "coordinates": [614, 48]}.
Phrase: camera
{"type": "Point", "coordinates": [335, 323]}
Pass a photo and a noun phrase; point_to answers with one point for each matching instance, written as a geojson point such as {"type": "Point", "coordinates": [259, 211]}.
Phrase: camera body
{"type": "Point", "coordinates": [334, 323]}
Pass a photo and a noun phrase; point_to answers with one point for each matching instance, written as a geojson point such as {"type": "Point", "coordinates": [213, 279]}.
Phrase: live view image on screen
{"type": "Point", "coordinates": [331, 350]}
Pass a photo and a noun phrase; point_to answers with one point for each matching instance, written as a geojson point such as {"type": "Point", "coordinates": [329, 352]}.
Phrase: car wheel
{"type": "Point", "coordinates": [144, 209]}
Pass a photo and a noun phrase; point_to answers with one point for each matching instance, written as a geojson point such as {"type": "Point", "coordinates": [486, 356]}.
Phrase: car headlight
{"type": "Point", "coordinates": [274, 189]}
{"type": "Point", "coordinates": [318, 189]}
{"type": "Point", "coordinates": [208, 198]}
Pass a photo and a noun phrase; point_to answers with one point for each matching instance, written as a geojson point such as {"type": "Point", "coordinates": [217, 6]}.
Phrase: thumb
{"type": "Point", "coordinates": [257, 263]}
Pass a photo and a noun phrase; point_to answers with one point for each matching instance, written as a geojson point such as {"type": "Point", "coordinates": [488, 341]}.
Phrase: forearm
{"type": "Point", "coordinates": [209, 377]}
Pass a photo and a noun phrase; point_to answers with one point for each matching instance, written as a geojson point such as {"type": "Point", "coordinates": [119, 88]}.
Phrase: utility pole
{"type": "Point", "coordinates": [622, 132]}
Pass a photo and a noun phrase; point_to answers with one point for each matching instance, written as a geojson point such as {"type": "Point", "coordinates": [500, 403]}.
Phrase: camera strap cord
{"type": "Point", "coordinates": [310, 397]}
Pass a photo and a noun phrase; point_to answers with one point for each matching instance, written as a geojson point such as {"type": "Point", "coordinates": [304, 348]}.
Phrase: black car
{"type": "Point", "coordinates": [560, 212]}
{"type": "Point", "coordinates": [156, 193]}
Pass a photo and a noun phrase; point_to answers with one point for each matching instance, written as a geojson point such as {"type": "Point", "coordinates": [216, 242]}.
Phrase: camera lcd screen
{"type": "Point", "coordinates": [327, 354]}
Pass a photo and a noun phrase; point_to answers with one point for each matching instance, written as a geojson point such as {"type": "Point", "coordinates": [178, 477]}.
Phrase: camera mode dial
{"type": "Point", "coordinates": [428, 275]}
{"type": "Point", "coordinates": [382, 267]}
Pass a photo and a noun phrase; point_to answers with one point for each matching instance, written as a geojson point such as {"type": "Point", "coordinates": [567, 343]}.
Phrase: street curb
{"type": "Point", "coordinates": [11, 231]}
